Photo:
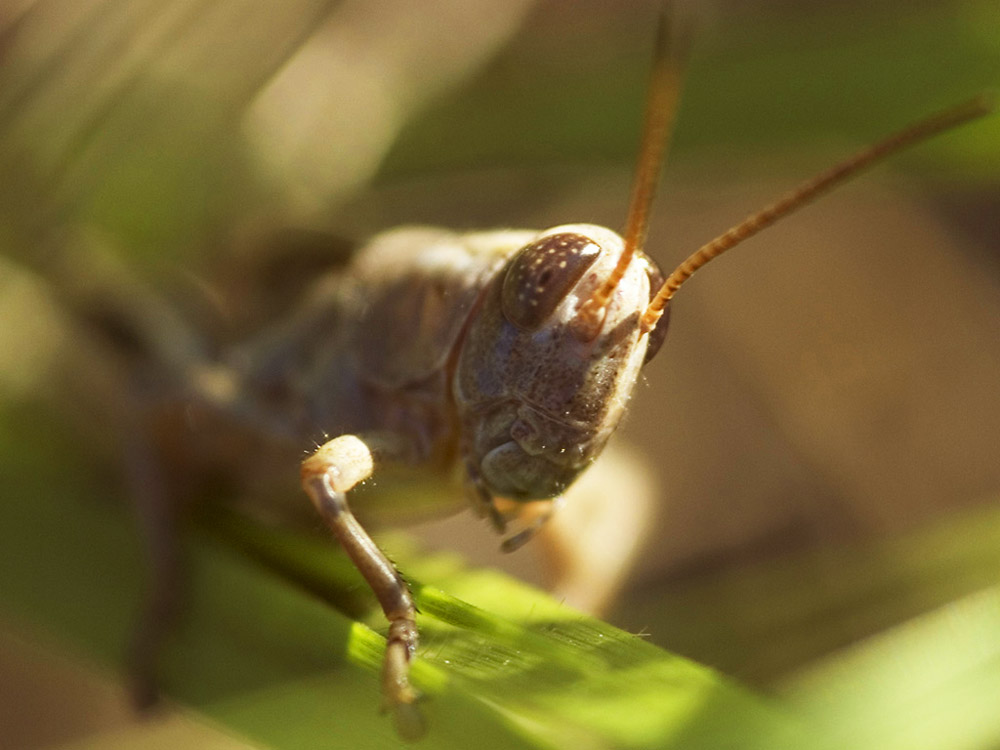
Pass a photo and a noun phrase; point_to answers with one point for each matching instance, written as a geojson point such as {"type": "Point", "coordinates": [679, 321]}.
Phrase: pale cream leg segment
{"type": "Point", "coordinates": [327, 475]}
{"type": "Point", "coordinates": [591, 542]}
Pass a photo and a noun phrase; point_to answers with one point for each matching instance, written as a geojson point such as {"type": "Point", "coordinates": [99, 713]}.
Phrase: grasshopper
{"type": "Point", "coordinates": [523, 352]}
{"type": "Point", "coordinates": [519, 355]}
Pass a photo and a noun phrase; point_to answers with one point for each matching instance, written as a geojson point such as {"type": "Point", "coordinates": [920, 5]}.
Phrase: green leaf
{"type": "Point", "coordinates": [930, 683]}
{"type": "Point", "coordinates": [765, 620]}
{"type": "Point", "coordinates": [262, 650]}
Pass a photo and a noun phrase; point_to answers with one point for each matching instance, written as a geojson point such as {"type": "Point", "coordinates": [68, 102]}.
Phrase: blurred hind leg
{"type": "Point", "coordinates": [157, 519]}
{"type": "Point", "coordinates": [591, 543]}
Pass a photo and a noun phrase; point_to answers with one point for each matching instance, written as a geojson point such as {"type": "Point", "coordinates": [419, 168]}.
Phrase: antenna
{"type": "Point", "coordinates": [661, 108]}
{"type": "Point", "coordinates": [807, 191]}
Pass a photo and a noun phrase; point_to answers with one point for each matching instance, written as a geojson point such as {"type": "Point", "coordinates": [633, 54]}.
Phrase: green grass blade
{"type": "Point", "coordinates": [930, 684]}
{"type": "Point", "coordinates": [262, 652]}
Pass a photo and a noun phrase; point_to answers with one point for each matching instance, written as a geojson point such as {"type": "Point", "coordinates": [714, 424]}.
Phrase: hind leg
{"type": "Point", "coordinates": [157, 520]}
{"type": "Point", "coordinates": [591, 543]}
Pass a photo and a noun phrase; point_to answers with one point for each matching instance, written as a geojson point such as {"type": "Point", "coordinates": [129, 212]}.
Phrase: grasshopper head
{"type": "Point", "coordinates": [554, 352]}
{"type": "Point", "coordinates": [539, 387]}
{"type": "Point", "coordinates": [553, 355]}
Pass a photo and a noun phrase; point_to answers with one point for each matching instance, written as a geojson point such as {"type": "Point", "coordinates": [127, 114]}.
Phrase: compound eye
{"type": "Point", "coordinates": [542, 274]}
{"type": "Point", "coordinates": [659, 333]}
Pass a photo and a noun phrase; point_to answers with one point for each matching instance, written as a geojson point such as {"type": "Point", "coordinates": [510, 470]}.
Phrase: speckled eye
{"type": "Point", "coordinates": [541, 275]}
{"type": "Point", "coordinates": [658, 334]}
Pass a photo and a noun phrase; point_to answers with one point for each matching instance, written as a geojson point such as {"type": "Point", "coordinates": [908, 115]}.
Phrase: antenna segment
{"type": "Point", "coordinates": [661, 109]}
{"type": "Point", "coordinates": [809, 190]}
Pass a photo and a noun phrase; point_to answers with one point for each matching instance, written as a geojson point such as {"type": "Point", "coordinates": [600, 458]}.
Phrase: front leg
{"type": "Point", "coordinates": [328, 474]}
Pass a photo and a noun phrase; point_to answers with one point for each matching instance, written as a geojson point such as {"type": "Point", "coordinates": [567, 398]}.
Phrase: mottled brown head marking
{"type": "Point", "coordinates": [542, 274]}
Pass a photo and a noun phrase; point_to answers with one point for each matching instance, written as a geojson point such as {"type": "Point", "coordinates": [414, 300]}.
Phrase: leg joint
{"type": "Point", "coordinates": [330, 503]}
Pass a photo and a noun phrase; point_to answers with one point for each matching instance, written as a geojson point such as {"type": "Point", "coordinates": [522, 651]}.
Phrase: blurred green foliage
{"type": "Point", "coordinates": [764, 78]}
